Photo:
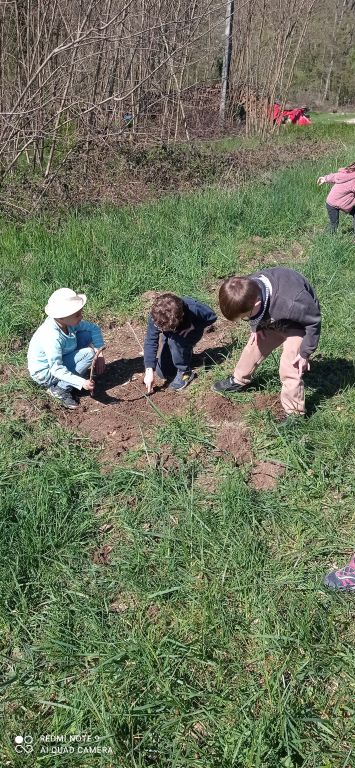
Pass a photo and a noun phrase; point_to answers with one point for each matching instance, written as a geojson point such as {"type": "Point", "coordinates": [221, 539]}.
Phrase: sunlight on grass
{"type": "Point", "coordinates": [208, 640]}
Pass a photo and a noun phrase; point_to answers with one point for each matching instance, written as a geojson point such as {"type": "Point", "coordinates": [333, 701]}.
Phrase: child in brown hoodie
{"type": "Point", "coordinates": [341, 196]}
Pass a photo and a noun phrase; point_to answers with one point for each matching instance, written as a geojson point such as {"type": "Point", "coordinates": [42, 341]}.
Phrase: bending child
{"type": "Point", "coordinates": [282, 309]}
{"type": "Point", "coordinates": [181, 321]}
{"type": "Point", "coordinates": [63, 347]}
{"type": "Point", "coordinates": [341, 196]}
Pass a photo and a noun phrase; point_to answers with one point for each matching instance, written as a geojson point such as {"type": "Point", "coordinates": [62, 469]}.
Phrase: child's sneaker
{"type": "Point", "coordinates": [227, 385]}
{"type": "Point", "coordinates": [64, 396]}
{"type": "Point", "coordinates": [343, 579]}
{"type": "Point", "coordinates": [182, 380]}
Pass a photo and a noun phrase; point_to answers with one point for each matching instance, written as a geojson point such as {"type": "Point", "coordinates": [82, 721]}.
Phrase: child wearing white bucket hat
{"type": "Point", "coordinates": [63, 347]}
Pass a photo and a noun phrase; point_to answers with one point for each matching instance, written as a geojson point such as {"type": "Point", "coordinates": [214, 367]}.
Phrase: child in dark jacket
{"type": "Point", "coordinates": [181, 321]}
{"type": "Point", "coordinates": [282, 308]}
{"type": "Point", "coordinates": [341, 196]}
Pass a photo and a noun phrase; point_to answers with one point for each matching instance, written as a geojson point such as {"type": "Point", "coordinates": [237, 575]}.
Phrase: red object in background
{"type": "Point", "coordinates": [303, 120]}
{"type": "Point", "coordinates": [296, 116]}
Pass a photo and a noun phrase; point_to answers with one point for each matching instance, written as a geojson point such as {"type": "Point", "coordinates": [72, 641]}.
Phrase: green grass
{"type": "Point", "coordinates": [229, 652]}
{"type": "Point", "coordinates": [332, 117]}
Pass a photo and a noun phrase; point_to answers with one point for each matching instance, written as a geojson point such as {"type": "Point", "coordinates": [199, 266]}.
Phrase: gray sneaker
{"type": "Point", "coordinates": [64, 396]}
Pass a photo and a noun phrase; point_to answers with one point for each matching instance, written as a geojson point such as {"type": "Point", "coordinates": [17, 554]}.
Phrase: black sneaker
{"type": "Point", "coordinates": [227, 385]}
{"type": "Point", "coordinates": [64, 396]}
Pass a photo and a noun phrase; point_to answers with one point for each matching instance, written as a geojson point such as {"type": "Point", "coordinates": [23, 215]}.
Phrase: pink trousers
{"type": "Point", "coordinates": [292, 390]}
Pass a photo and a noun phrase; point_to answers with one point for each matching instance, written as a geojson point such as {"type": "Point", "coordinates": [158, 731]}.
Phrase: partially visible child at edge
{"type": "Point", "coordinates": [181, 321]}
{"type": "Point", "coordinates": [62, 349]}
{"type": "Point", "coordinates": [282, 309]}
{"type": "Point", "coordinates": [341, 196]}
{"type": "Point", "coordinates": [344, 579]}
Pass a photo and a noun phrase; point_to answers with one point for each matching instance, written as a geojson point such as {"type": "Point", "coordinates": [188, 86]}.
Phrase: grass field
{"type": "Point", "coordinates": [224, 649]}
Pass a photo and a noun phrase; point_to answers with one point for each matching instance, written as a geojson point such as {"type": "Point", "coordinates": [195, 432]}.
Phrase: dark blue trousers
{"type": "Point", "coordinates": [177, 355]}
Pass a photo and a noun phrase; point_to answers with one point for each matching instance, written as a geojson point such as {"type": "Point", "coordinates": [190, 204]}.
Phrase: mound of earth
{"type": "Point", "coordinates": [232, 438]}
{"type": "Point", "coordinates": [265, 474]}
{"type": "Point", "coordinates": [219, 409]}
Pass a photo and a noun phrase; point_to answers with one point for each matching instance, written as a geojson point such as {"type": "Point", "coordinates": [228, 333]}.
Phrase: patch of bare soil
{"type": "Point", "coordinates": [124, 601]}
{"type": "Point", "coordinates": [265, 474]}
{"type": "Point", "coordinates": [207, 482]}
{"type": "Point", "coordinates": [28, 411]}
{"type": "Point", "coordinates": [232, 438]}
{"type": "Point", "coordinates": [101, 556]}
{"type": "Point", "coordinates": [121, 415]}
{"type": "Point", "coordinates": [267, 402]}
{"type": "Point", "coordinates": [219, 409]}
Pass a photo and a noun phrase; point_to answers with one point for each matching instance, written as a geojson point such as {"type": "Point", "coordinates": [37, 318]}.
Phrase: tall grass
{"type": "Point", "coordinates": [224, 649]}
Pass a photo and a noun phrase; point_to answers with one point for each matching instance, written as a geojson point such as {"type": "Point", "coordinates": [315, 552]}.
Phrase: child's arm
{"type": "Point", "coordinates": [95, 333]}
{"type": "Point", "coordinates": [330, 179]}
{"type": "Point", "coordinates": [305, 311]}
{"type": "Point", "coordinates": [97, 342]}
{"type": "Point", "coordinates": [205, 314]}
{"type": "Point", "coordinates": [151, 343]}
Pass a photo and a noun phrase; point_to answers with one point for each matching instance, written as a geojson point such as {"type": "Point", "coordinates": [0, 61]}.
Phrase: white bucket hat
{"type": "Point", "coordinates": [64, 302]}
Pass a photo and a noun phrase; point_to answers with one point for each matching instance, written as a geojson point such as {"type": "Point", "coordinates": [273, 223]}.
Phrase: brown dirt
{"type": "Point", "coordinates": [207, 483]}
{"type": "Point", "coordinates": [265, 474]}
{"type": "Point", "coordinates": [101, 556]}
{"type": "Point", "coordinates": [268, 402]}
{"type": "Point", "coordinates": [123, 602]}
{"type": "Point", "coordinates": [219, 409]}
{"type": "Point", "coordinates": [120, 415]}
{"type": "Point", "coordinates": [232, 438]}
{"type": "Point", "coordinates": [27, 411]}
{"type": "Point", "coordinates": [153, 612]}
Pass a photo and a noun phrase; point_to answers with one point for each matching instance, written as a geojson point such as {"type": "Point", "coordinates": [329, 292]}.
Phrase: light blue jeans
{"type": "Point", "coordinates": [77, 362]}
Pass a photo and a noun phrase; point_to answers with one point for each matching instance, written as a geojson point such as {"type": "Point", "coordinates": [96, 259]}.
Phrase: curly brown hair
{"type": "Point", "coordinates": [237, 296]}
{"type": "Point", "coordinates": [350, 168]}
{"type": "Point", "coordinates": [168, 312]}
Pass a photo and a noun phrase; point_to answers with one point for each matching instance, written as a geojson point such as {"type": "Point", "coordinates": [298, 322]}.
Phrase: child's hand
{"type": "Point", "coordinates": [100, 364]}
{"type": "Point", "coordinates": [302, 364]}
{"type": "Point", "coordinates": [149, 379]}
{"type": "Point", "coordinates": [321, 181]}
{"type": "Point", "coordinates": [89, 385]}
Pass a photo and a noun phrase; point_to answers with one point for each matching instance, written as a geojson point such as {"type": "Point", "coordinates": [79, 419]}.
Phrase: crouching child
{"type": "Point", "coordinates": [63, 347]}
{"type": "Point", "coordinates": [282, 309]}
{"type": "Point", "coordinates": [181, 322]}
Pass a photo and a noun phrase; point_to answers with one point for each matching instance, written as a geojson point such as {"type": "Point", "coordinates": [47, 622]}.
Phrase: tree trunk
{"type": "Point", "coordinates": [226, 59]}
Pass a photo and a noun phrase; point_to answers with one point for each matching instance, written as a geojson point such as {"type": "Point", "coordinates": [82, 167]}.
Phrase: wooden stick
{"type": "Point", "coordinates": [136, 337]}
{"type": "Point", "coordinates": [92, 369]}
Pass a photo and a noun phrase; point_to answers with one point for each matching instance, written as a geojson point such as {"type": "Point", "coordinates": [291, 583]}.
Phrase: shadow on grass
{"type": "Point", "coordinates": [328, 377]}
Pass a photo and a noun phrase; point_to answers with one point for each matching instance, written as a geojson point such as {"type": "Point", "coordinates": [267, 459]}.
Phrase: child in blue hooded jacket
{"type": "Point", "coordinates": [63, 347]}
